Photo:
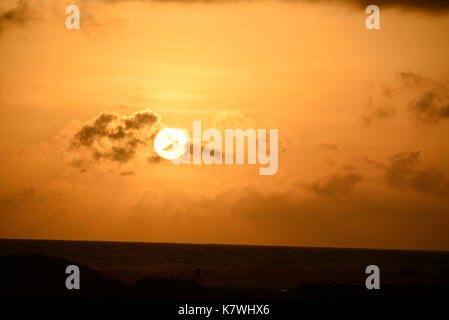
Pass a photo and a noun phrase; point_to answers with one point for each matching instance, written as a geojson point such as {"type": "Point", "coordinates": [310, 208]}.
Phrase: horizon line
{"type": "Point", "coordinates": [227, 244]}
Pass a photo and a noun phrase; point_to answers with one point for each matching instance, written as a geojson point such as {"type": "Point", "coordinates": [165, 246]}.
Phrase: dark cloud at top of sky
{"type": "Point", "coordinates": [22, 12]}
{"type": "Point", "coordinates": [18, 15]}
{"type": "Point", "coordinates": [430, 104]}
{"type": "Point", "coordinates": [113, 137]}
{"type": "Point", "coordinates": [434, 6]}
{"type": "Point", "coordinates": [431, 6]}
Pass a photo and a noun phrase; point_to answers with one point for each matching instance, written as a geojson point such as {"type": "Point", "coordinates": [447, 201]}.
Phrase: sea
{"type": "Point", "coordinates": [139, 256]}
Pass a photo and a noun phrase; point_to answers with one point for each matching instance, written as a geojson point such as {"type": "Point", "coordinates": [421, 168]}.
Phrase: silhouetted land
{"type": "Point", "coordinates": [35, 276]}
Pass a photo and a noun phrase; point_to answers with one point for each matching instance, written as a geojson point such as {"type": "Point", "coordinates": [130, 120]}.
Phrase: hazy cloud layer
{"type": "Point", "coordinates": [244, 215]}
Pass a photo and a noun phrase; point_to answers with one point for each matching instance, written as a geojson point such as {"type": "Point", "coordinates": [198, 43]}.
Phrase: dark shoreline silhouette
{"type": "Point", "coordinates": [35, 276]}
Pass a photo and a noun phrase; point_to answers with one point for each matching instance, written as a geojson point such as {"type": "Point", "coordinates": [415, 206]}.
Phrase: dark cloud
{"type": "Point", "coordinates": [430, 103]}
{"type": "Point", "coordinates": [19, 15]}
{"type": "Point", "coordinates": [406, 171]}
{"type": "Point", "coordinates": [114, 137]}
{"type": "Point", "coordinates": [401, 167]}
{"type": "Point", "coordinates": [338, 184]}
{"type": "Point", "coordinates": [430, 107]}
{"type": "Point", "coordinates": [140, 120]}
{"type": "Point", "coordinates": [428, 100]}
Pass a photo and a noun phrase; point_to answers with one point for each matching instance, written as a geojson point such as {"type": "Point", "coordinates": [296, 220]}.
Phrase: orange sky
{"type": "Point", "coordinates": [362, 117]}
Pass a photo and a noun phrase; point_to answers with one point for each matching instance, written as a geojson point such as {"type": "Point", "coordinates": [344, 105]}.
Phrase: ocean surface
{"type": "Point", "coordinates": [129, 256]}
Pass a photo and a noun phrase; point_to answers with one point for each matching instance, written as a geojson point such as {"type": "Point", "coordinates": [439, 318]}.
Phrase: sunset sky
{"type": "Point", "coordinates": [363, 120]}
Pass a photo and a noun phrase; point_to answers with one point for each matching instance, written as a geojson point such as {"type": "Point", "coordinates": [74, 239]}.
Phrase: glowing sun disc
{"type": "Point", "coordinates": [170, 143]}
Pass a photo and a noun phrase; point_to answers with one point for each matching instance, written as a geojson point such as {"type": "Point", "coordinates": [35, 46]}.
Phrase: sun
{"type": "Point", "coordinates": [170, 143]}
